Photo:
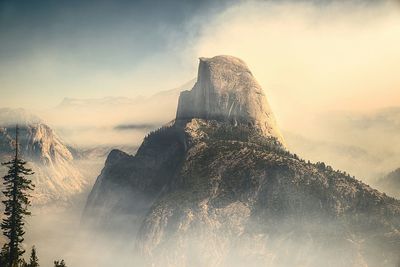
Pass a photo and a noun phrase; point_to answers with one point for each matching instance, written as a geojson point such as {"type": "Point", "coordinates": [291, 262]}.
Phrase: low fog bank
{"type": "Point", "coordinates": [55, 228]}
{"type": "Point", "coordinates": [59, 235]}
{"type": "Point", "coordinates": [365, 144]}
{"type": "Point", "coordinates": [113, 121]}
{"type": "Point", "coordinates": [310, 244]}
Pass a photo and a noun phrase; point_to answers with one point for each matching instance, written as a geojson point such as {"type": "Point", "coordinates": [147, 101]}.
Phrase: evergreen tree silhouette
{"type": "Point", "coordinates": [59, 263]}
{"type": "Point", "coordinates": [33, 260]}
{"type": "Point", "coordinates": [16, 188]}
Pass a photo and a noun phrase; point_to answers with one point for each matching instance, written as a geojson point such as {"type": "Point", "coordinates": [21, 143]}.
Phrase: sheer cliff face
{"type": "Point", "coordinates": [125, 180]}
{"type": "Point", "coordinates": [214, 188]}
{"type": "Point", "coordinates": [227, 91]}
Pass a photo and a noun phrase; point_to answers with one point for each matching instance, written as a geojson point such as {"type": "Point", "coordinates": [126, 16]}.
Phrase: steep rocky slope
{"type": "Point", "coordinates": [238, 197]}
{"type": "Point", "coordinates": [56, 177]}
{"type": "Point", "coordinates": [223, 190]}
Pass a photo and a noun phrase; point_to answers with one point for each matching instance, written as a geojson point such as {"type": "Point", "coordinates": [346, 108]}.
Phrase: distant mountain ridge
{"type": "Point", "coordinates": [56, 178]}
{"type": "Point", "coordinates": [104, 118]}
{"type": "Point", "coordinates": [69, 102]}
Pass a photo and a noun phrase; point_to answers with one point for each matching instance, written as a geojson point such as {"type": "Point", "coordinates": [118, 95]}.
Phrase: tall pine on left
{"type": "Point", "coordinates": [16, 201]}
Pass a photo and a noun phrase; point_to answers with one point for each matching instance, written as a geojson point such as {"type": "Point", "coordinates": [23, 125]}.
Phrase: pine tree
{"type": "Point", "coordinates": [3, 255]}
{"type": "Point", "coordinates": [16, 202]}
{"type": "Point", "coordinates": [59, 263]}
{"type": "Point", "coordinates": [33, 260]}
{"type": "Point", "coordinates": [22, 263]}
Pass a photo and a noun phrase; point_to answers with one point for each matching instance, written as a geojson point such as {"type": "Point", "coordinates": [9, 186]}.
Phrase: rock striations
{"type": "Point", "coordinates": [227, 91]}
{"type": "Point", "coordinates": [218, 188]}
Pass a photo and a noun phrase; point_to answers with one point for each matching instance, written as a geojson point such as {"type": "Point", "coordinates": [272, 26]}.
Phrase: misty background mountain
{"type": "Point", "coordinates": [57, 177]}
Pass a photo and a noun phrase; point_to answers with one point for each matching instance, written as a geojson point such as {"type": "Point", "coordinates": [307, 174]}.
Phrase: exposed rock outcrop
{"type": "Point", "coordinates": [227, 91]}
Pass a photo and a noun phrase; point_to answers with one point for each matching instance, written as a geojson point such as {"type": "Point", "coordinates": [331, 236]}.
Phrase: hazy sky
{"type": "Point", "coordinates": [311, 58]}
{"type": "Point", "coordinates": [52, 49]}
{"type": "Point", "coordinates": [307, 55]}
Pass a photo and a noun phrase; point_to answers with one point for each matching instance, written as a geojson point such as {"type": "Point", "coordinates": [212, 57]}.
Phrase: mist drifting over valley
{"type": "Point", "coordinates": [185, 133]}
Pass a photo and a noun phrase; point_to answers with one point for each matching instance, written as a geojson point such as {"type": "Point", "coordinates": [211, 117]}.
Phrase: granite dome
{"type": "Point", "coordinates": [227, 91]}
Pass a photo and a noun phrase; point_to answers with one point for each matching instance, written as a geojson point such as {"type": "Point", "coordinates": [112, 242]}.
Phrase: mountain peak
{"type": "Point", "coordinates": [228, 61]}
{"type": "Point", "coordinates": [226, 90]}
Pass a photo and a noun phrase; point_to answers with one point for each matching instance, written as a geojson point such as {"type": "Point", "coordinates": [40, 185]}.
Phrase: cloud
{"type": "Point", "coordinates": [143, 127]}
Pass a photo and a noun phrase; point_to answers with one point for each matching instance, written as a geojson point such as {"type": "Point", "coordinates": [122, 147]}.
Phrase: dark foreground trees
{"type": "Point", "coordinates": [16, 188]}
{"type": "Point", "coordinates": [59, 263]}
{"type": "Point", "coordinates": [33, 260]}
{"type": "Point", "coordinates": [16, 192]}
